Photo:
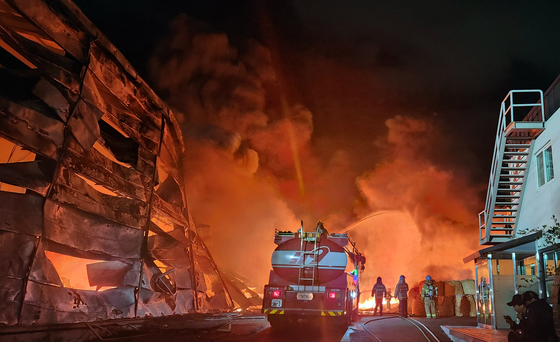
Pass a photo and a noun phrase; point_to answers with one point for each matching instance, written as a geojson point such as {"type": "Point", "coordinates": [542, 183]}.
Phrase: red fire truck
{"type": "Point", "coordinates": [314, 275]}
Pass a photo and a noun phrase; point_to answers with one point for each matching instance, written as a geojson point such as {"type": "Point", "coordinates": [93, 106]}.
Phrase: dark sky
{"type": "Point", "coordinates": [393, 107]}
{"type": "Point", "coordinates": [456, 59]}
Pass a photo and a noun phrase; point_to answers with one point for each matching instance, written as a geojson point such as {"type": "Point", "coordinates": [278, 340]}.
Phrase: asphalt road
{"type": "Point", "coordinates": [257, 329]}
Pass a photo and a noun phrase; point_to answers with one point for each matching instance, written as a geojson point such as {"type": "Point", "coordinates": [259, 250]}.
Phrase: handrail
{"type": "Point", "coordinates": [499, 147]}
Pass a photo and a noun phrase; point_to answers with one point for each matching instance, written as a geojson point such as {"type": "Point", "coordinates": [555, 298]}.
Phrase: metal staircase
{"type": "Point", "coordinates": [511, 160]}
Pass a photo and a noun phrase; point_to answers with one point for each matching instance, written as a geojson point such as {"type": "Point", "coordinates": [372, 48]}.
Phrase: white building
{"type": "Point", "coordinates": [522, 205]}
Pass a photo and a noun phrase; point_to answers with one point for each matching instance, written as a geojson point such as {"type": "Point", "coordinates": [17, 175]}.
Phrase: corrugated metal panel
{"type": "Point", "coordinates": [21, 213]}
{"type": "Point", "coordinates": [42, 270]}
{"type": "Point", "coordinates": [73, 40]}
{"type": "Point", "coordinates": [31, 129]}
{"type": "Point", "coordinates": [34, 175]}
{"type": "Point", "coordinates": [71, 189]}
{"type": "Point", "coordinates": [47, 304]}
{"type": "Point", "coordinates": [90, 233]}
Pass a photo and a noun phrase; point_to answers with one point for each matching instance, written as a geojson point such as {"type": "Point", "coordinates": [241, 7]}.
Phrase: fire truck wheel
{"type": "Point", "coordinates": [355, 314]}
{"type": "Point", "coordinates": [277, 322]}
{"type": "Point", "coordinates": [349, 313]}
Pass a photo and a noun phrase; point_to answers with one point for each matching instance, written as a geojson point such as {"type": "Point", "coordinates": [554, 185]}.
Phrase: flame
{"type": "Point", "coordinates": [369, 304]}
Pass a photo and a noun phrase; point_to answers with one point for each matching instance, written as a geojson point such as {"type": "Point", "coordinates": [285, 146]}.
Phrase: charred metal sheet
{"type": "Point", "coordinates": [83, 124]}
{"type": "Point", "coordinates": [176, 129]}
{"type": "Point", "coordinates": [42, 269]}
{"type": "Point", "coordinates": [168, 163]}
{"type": "Point", "coordinates": [91, 94]}
{"type": "Point", "coordinates": [236, 295]}
{"type": "Point", "coordinates": [64, 70]}
{"type": "Point", "coordinates": [202, 302]}
{"type": "Point", "coordinates": [169, 142]}
{"type": "Point", "coordinates": [157, 230]}
{"type": "Point", "coordinates": [113, 273]}
{"type": "Point", "coordinates": [214, 286]}
{"type": "Point", "coordinates": [16, 254]}
{"type": "Point", "coordinates": [102, 170]}
{"type": "Point", "coordinates": [71, 189]}
{"type": "Point", "coordinates": [46, 304]}
{"type": "Point", "coordinates": [73, 40]}
{"type": "Point", "coordinates": [184, 301]}
{"type": "Point", "coordinates": [53, 98]}
{"type": "Point", "coordinates": [124, 149]}
{"type": "Point", "coordinates": [21, 213]}
{"type": "Point", "coordinates": [31, 129]}
{"type": "Point", "coordinates": [179, 235]}
{"type": "Point", "coordinates": [173, 211]}
{"type": "Point", "coordinates": [164, 220]}
{"type": "Point", "coordinates": [183, 279]}
{"type": "Point", "coordinates": [144, 134]}
{"type": "Point", "coordinates": [37, 122]}
{"type": "Point", "coordinates": [118, 82]}
{"type": "Point", "coordinates": [34, 175]}
{"type": "Point", "coordinates": [170, 192]}
{"type": "Point", "coordinates": [146, 162]}
{"type": "Point", "coordinates": [10, 302]}
{"type": "Point", "coordinates": [168, 251]}
{"type": "Point", "coordinates": [153, 304]}
{"type": "Point", "coordinates": [90, 233]}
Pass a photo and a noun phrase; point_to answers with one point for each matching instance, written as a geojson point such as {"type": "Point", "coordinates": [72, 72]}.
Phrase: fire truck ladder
{"type": "Point", "coordinates": [308, 269]}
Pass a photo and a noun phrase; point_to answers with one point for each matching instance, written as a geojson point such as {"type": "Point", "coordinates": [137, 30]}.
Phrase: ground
{"type": "Point", "coordinates": [256, 328]}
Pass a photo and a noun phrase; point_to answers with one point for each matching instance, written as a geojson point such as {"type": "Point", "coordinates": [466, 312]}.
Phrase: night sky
{"type": "Point", "coordinates": [456, 59]}
{"type": "Point", "coordinates": [393, 106]}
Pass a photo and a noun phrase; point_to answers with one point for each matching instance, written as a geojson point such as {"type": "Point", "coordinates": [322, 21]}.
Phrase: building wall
{"type": "Point", "coordinates": [539, 204]}
{"type": "Point", "coordinates": [104, 189]}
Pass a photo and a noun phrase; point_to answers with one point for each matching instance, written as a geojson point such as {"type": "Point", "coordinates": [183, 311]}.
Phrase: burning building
{"type": "Point", "coordinates": [94, 218]}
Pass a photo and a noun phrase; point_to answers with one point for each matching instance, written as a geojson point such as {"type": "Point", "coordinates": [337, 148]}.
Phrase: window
{"type": "Point", "coordinates": [545, 168]}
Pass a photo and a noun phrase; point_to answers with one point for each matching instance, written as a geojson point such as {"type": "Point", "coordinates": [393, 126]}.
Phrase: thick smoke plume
{"type": "Point", "coordinates": [242, 181]}
{"type": "Point", "coordinates": [426, 220]}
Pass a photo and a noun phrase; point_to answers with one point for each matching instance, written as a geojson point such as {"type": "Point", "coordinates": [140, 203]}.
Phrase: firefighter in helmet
{"type": "Point", "coordinates": [379, 291]}
{"type": "Point", "coordinates": [429, 295]}
{"type": "Point", "coordinates": [401, 292]}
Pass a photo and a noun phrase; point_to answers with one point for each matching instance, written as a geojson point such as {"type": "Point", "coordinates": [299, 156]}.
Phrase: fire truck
{"type": "Point", "coordinates": [314, 275]}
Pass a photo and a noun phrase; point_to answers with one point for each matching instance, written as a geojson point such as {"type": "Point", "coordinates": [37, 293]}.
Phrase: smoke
{"type": "Point", "coordinates": [220, 97]}
{"type": "Point", "coordinates": [429, 223]}
{"type": "Point", "coordinates": [243, 146]}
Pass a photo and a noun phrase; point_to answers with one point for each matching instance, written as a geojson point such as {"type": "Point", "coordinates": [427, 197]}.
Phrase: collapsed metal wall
{"type": "Point", "coordinates": [105, 183]}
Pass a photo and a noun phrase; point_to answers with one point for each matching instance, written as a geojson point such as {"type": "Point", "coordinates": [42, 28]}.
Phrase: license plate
{"type": "Point", "coordinates": [304, 296]}
{"type": "Point", "coordinates": [276, 303]}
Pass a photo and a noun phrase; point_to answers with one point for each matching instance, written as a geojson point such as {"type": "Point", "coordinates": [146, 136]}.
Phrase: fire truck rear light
{"type": "Point", "coordinates": [276, 294]}
{"type": "Point", "coordinates": [332, 295]}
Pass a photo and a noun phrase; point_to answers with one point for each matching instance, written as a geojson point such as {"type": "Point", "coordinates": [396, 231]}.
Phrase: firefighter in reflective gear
{"type": "Point", "coordinates": [484, 298]}
{"type": "Point", "coordinates": [379, 291]}
{"type": "Point", "coordinates": [429, 295]}
{"type": "Point", "coordinates": [401, 292]}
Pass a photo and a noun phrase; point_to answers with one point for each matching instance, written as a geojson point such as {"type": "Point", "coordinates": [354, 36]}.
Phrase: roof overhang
{"type": "Point", "coordinates": [524, 245]}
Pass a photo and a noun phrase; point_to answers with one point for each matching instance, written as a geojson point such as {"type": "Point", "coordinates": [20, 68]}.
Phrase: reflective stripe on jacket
{"type": "Point", "coordinates": [379, 290]}
{"type": "Point", "coordinates": [401, 291]}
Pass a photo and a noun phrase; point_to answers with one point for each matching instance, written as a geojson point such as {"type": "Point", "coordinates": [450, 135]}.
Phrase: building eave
{"type": "Point", "coordinates": [504, 246]}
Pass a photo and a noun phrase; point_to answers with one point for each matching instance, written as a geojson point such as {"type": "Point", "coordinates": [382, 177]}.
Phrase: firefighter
{"type": "Point", "coordinates": [484, 298]}
{"type": "Point", "coordinates": [429, 295]}
{"type": "Point", "coordinates": [401, 292]}
{"type": "Point", "coordinates": [379, 291]}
